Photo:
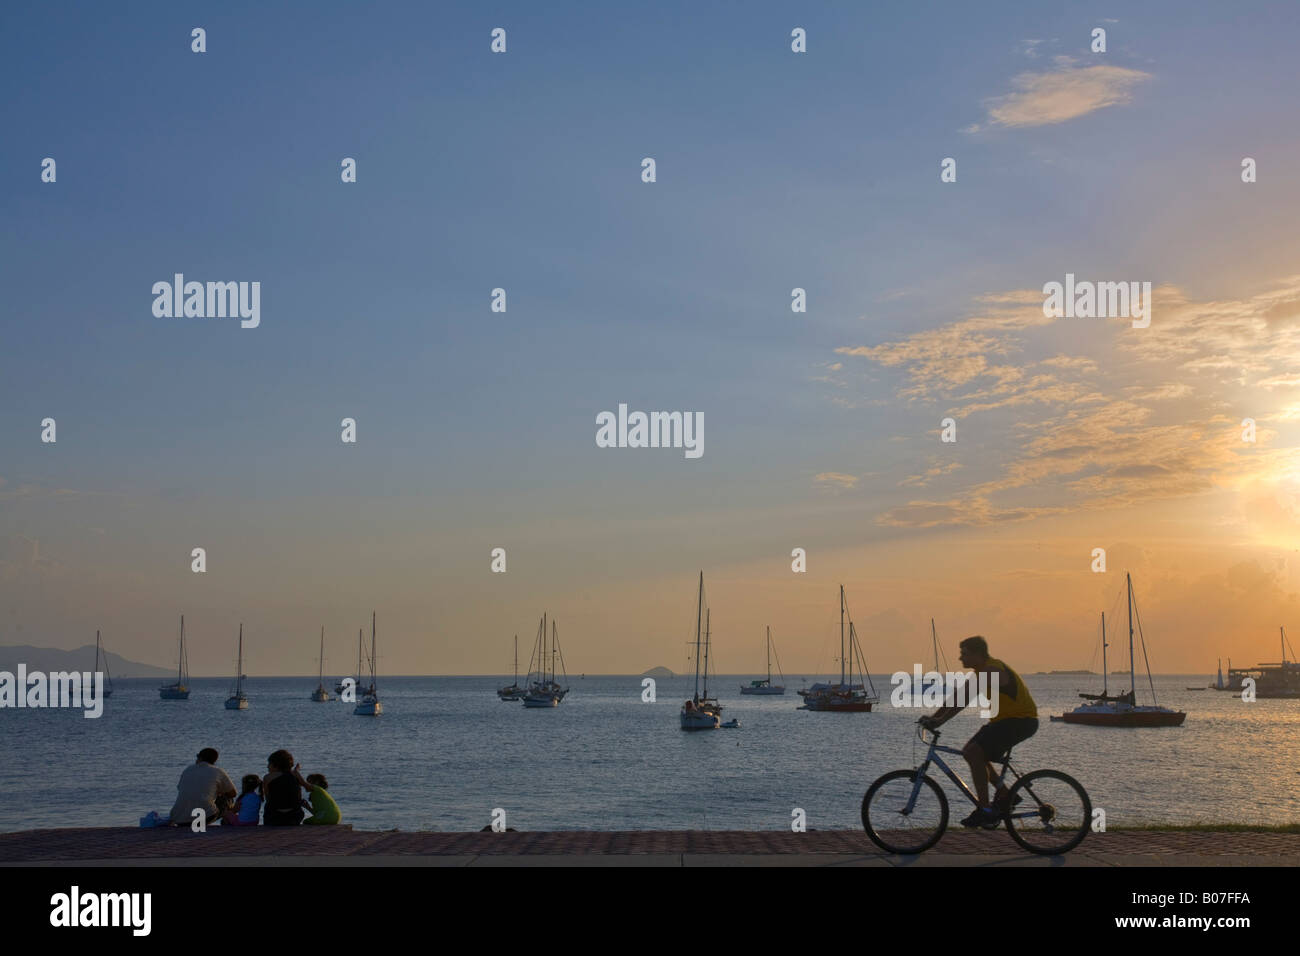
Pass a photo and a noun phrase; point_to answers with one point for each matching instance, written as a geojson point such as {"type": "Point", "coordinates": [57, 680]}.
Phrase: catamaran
{"type": "Point", "coordinates": [320, 694]}
{"type": "Point", "coordinates": [1122, 710]}
{"type": "Point", "coordinates": [514, 691]}
{"type": "Point", "coordinates": [100, 655]}
{"type": "Point", "coordinates": [846, 696]}
{"type": "Point", "coordinates": [238, 700]}
{"type": "Point", "coordinates": [181, 689]}
{"type": "Point", "coordinates": [701, 712]}
{"type": "Point", "coordinates": [766, 686]}
{"type": "Point", "coordinates": [369, 705]}
{"type": "Point", "coordinates": [544, 690]}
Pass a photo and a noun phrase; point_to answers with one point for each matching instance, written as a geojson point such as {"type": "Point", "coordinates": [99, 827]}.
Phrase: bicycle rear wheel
{"type": "Point", "coordinates": [1054, 813]}
{"type": "Point", "coordinates": [889, 823]}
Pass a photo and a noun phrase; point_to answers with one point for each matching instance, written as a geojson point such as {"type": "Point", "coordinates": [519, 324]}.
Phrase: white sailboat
{"type": "Point", "coordinates": [238, 700]}
{"type": "Point", "coordinates": [370, 705]}
{"type": "Point", "coordinates": [101, 656]}
{"type": "Point", "coordinates": [929, 680]}
{"type": "Point", "coordinates": [544, 690]}
{"type": "Point", "coordinates": [320, 694]}
{"type": "Point", "coordinates": [701, 712]}
{"type": "Point", "coordinates": [181, 689]}
{"type": "Point", "coordinates": [766, 687]}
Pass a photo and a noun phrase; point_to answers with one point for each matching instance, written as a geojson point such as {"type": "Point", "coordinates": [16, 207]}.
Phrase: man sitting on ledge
{"type": "Point", "coordinates": [203, 786]}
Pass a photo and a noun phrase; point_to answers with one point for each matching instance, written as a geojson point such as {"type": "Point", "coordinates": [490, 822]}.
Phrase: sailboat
{"type": "Point", "coordinates": [846, 696]}
{"type": "Point", "coordinates": [1122, 710]}
{"type": "Point", "coordinates": [930, 679]}
{"type": "Point", "coordinates": [369, 705]}
{"type": "Point", "coordinates": [545, 690]}
{"type": "Point", "coordinates": [320, 694]}
{"type": "Point", "coordinates": [514, 691]}
{"type": "Point", "coordinates": [766, 686]}
{"type": "Point", "coordinates": [701, 712]}
{"type": "Point", "coordinates": [181, 689]}
{"type": "Point", "coordinates": [100, 655]}
{"type": "Point", "coordinates": [238, 700]}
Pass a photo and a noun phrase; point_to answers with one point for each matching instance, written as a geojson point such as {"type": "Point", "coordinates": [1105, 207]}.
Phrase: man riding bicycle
{"type": "Point", "coordinates": [1015, 720]}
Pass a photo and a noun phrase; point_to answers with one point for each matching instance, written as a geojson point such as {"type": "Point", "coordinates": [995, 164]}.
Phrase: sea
{"type": "Point", "coordinates": [446, 754]}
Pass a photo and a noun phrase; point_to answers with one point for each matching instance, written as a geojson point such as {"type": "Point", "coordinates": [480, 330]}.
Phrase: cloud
{"type": "Point", "coordinates": [836, 480]}
{"type": "Point", "coordinates": [1066, 93]}
{"type": "Point", "coordinates": [1082, 438]}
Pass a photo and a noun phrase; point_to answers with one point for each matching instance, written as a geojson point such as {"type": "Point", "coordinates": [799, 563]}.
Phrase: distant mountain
{"type": "Point", "coordinates": [659, 673]}
{"type": "Point", "coordinates": [82, 659]}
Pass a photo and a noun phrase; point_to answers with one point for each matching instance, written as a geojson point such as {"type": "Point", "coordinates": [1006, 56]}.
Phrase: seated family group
{"type": "Point", "coordinates": [275, 800]}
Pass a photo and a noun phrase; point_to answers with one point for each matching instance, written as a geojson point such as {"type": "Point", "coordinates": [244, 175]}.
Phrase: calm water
{"type": "Point", "coordinates": [446, 752]}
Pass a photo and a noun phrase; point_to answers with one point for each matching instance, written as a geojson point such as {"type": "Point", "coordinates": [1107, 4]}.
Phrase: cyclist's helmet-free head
{"type": "Point", "coordinates": [976, 648]}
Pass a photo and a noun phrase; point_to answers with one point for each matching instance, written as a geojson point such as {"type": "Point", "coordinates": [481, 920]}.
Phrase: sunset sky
{"type": "Point", "coordinates": [476, 430]}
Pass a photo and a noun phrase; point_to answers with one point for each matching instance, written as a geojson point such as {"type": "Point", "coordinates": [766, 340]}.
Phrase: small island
{"type": "Point", "coordinates": [1062, 673]}
{"type": "Point", "coordinates": [659, 673]}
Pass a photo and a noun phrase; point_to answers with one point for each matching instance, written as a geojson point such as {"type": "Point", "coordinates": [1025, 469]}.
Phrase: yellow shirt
{"type": "Point", "coordinates": [1013, 699]}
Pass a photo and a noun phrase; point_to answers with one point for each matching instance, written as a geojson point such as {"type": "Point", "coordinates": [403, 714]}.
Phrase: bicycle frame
{"type": "Point", "coordinates": [933, 757]}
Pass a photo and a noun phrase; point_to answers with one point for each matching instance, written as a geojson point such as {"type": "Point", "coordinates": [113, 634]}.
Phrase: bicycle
{"type": "Point", "coordinates": [1046, 811]}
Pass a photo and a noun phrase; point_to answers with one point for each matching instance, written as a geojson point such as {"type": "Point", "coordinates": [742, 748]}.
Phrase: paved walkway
{"type": "Point", "coordinates": [324, 846]}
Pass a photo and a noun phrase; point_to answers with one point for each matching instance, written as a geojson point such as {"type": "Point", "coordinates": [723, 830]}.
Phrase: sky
{"type": "Point", "coordinates": [476, 429]}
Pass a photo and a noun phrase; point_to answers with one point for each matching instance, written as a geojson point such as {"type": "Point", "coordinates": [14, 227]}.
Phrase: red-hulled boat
{"type": "Point", "coordinates": [1122, 710]}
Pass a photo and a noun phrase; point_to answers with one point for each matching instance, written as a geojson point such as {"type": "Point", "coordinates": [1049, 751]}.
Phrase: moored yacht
{"type": "Point", "coordinates": [1122, 710]}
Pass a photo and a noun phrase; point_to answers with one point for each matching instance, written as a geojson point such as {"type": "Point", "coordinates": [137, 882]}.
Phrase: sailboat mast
{"type": "Point", "coordinates": [1132, 672]}
{"type": "Point", "coordinates": [699, 612]}
{"type": "Point", "coordinates": [1104, 670]}
{"type": "Point", "coordinates": [374, 652]}
{"type": "Point", "coordinates": [516, 660]}
{"type": "Point", "coordinates": [934, 638]}
{"type": "Point", "coordinates": [321, 674]}
{"type": "Point", "coordinates": [180, 655]}
{"type": "Point", "coordinates": [707, 615]}
{"type": "Point", "coordinates": [841, 635]}
{"type": "Point", "coordinates": [769, 653]}
{"type": "Point", "coordinates": [1282, 635]}
{"type": "Point", "coordinates": [239, 663]}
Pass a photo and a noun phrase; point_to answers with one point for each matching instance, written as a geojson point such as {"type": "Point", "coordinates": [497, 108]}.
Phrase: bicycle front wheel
{"type": "Point", "coordinates": [1053, 814]}
{"type": "Point", "coordinates": [895, 821]}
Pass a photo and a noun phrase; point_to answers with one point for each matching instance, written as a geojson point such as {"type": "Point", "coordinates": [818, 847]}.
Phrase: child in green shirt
{"type": "Point", "coordinates": [324, 811]}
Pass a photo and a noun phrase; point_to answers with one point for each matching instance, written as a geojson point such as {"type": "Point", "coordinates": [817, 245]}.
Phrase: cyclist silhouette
{"type": "Point", "coordinates": [1015, 720]}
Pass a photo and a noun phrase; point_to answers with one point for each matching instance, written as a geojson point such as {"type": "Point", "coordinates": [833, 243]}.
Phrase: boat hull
{"type": "Point", "coordinates": [237, 703]}
{"type": "Point", "coordinates": [1130, 719]}
{"type": "Point", "coordinates": [763, 691]}
{"type": "Point", "coordinates": [838, 708]}
{"type": "Point", "coordinates": [697, 720]}
{"type": "Point", "coordinates": [368, 708]}
{"type": "Point", "coordinates": [546, 700]}
{"type": "Point", "coordinates": [174, 693]}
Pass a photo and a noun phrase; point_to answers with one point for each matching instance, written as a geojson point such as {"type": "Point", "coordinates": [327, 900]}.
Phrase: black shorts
{"type": "Point", "coordinates": [998, 737]}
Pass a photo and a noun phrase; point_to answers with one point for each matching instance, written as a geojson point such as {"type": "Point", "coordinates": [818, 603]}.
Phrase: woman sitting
{"type": "Point", "coordinates": [282, 792]}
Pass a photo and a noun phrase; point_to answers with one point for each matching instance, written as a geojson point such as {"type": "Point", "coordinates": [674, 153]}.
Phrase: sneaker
{"type": "Point", "coordinates": [983, 817]}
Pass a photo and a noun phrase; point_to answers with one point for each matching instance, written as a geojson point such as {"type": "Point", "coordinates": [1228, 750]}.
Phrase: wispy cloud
{"type": "Point", "coordinates": [1084, 440]}
{"type": "Point", "coordinates": [1062, 94]}
{"type": "Point", "coordinates": [836, 481]}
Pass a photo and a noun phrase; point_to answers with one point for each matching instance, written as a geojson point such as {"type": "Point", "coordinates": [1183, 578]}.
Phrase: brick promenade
{"type": "Point", "coordinates": [324, 846]}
